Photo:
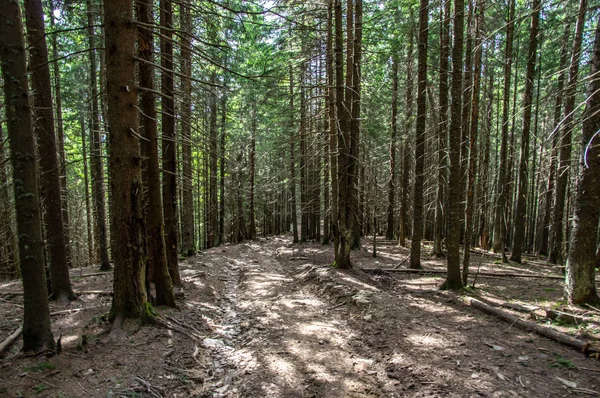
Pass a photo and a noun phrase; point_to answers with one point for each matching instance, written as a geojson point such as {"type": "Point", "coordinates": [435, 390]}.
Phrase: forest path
{"type": "Point", "coordinates": [289, 342]}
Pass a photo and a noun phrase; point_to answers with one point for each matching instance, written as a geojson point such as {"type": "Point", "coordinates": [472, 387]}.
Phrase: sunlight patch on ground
{"type": "Point", "coordinates": [283, 367]}
{"type": "Point", "coordinates": [427, 340]}
{"type": "Point", "coordinates": [359, 283]}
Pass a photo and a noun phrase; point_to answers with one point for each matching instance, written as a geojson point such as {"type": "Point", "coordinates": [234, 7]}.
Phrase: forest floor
{"type": "Point", "coordinates": [271, 319]}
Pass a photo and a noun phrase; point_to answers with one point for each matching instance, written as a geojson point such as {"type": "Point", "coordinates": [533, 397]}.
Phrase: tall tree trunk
{"type": "Point", "coordinates": [333, 127]}
{"type": "Point", "coordinates": [46, 140]}
{"type": "Point", "coordinates": [390, 231]}
{"type": "Point", "coordinates": [88, 212]}
{"type": "Point", "coordinates": [521, 210]}
{"type": "Point", "coordinates": [453, 279]}
{"type": "Point", "coordinates": [580, 286]}
{"type": "Point", "coordinates": [405, 189]}
{"type": "Point", "coordinates": [124, 167]}
{"type": "Point", "coordinates": [213, 198]}
{"type": "Point", "coordinates": [251, 233]}
{"type": "Point", "coordinates": [556, 240]}
{"type": "Point", "coordinates": [188, 247]}
{"type": "Point", "coordinates": [417, 234]}
{"type": "Point", "coordinates": [548, 196]}
{"type": "Point", "coordinates": [357, 202]}
{"type": "Point", "coordinates": [442, 169]}
{"type": "Point", "coordinates": [240, 224]}
{"type": "Point", "coordinates": [37, 333]}
{"type": "Point", "coordinates": [95, 150]}
{"type": "Point", "coordinates": [169, 157]}
{"type": "Point", "coordinates": [222, 164]}
{"type": "Point", "coordinates": [304, 211]}
{"type": "Point", "coordinates": [158, 270]}
{"type": "Point", "coordinates": [503, 173]}
{"type": "Point", "coordinates": [293, 161]}
{"type": "Point", "coordinates": [61, 142]}
{"type": "Point", "coordinates": [474, 127]}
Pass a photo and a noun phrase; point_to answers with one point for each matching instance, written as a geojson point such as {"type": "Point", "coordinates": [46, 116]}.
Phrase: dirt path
{"type": "Point", "coordinates": [272, 319]}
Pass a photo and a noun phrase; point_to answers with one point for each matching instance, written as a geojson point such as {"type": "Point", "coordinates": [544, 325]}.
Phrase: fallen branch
{"type": "Point", "coordinates": [11, 339]}
{"type": "Point", "coordinates": [585, 347]}
{"type": "Point", "coordinates": [569, 318]}
{"type": "Point", "coordinates": [92, 274]}
{"type": "Point", "coordinates": [401, 262]}
{"type": "Point", "coordinates": [481, 274]}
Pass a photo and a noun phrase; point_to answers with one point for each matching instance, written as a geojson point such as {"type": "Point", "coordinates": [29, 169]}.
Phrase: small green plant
{"type": "Point", "coordinates": [562, 363]}
{"type": "Point", "coordinates": [39, 388]}
{"type": "Point", "coordinates": [549, 289]}
{"type": "Point", "coordinates": [42, 367]}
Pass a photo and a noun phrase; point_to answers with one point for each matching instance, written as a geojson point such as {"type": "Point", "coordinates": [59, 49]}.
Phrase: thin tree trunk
{"type": "Point", "coordinates": [37, 333]}
{"type": "Point", "coordinates": [417, 234]}
{"type": "Point", "coordinates": [556, 240]}
{"type": "Point", "coordinates": [333, 127]}
{"type": "Point", "coordinates": [158, 270]}
{"type": "Point", "coordinates": [390, 231]}
{"type": "Point", "coordinates": [88, 211]}
{"type": "Point", "coordinates": [580, 286]}
{"type": "Point", "coordinates": [453, 279]}
{"type": "Point", "coordinates": [188, 248]}
{"type": "Point", "coordinates": [251, 233]}
{"type": "Point", "coordinates": [357, 202]}
{"type": "Point", "coordinates": [213, 199]}
{"type": "Point", "coordinates": [521, 210]}
{"type": "Point", "coordinates": [503, 173]}
{"type": "Point", "coordinates": [46, 140]}
{"type": "Point", "coordinates": [95, 151]}
{"type": "Point", "coordinates": [474, 127]}
{"type": "Point", "coordinates": [293, 161]}
{"type": "Point", "coordinates": [222, 165]}
{"type": "Point", "coordinates": [169, 157]}
{"type": "Point", "coordinates": [442, 169]}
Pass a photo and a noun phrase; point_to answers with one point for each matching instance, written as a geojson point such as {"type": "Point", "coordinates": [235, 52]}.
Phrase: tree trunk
{"type": "Point", "coordinates": [453, 280]}
{"type": "Point", "coordinates": [442, 130]}
{"type": "Point", "coordinates": [124, 167]}
{"type": "Point", "coordinates": [405, 189]}
{"type": "Point", "coordinates": [213, 198]}
{"type": "Point", "coordinates": [499, 243]}
{"type": "Point", "coordinates": [548, 196]}
{"type": "Point", "coordinates": [46, 140]}
{"type": "Point", "coordinates": [333, 117]}
{"type": "Point", "coordinates": [293, 161]}
{"type": "Point", "coordinates": [390, 231]}
{"type": "Point", "coordinates": [188, 247]}
{"type": "Point", "coordinates": [580, 286]}
{"type": "Point", "coordinates": [222, 163]}
{"type": "Point", "coordinates": [356, 55]}
{"type": "Point", "coordinates": [521, 210]}
{"type": "Point", "coordinates": [474, 131]}
{"type": "Point", "coordinates": [36, 314]}
{"type": "Point", "coordinates": [158, 270]}
{"type": "Point", "coordinates": [564, 163]}
{"type": "Point", "coordinates": [88, 212]}
{"type": "Point", "coordinates": [95, 151]}
{"type": "Point", "coordinates": [251, 232]}
{"type": "Point", "coordinates": [169, 157]}
{"type": "Point", "coordinates": [417, 234]}
{"type": "Point", "coordinates": [61, 143]}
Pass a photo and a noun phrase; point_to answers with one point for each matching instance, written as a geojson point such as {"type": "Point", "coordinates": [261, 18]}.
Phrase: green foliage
{"type": "Point", "coordinates": [41, 367]}
{"type": "Point", "coordinates": [562, 363]}
{"type": "Point", "coordinates": [39, 388]}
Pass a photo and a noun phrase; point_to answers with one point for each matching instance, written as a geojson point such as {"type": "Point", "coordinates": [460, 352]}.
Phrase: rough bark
{"type": "Point", "coordinates": [88, 211]}
{"type": "Point", "coordinates": [36, 314]}
{"type": "Point", "coordinates": [213, 198]}
{"type": "Point", "coordinates": [580, 286]}
{"type": "Point", "coordinates": [293, 161]}
{"type": "Point", "coordinates": [453, 279]}
{"type": "Point", "coordinates": [333, 127]}
{"type": "Point", "coordinates": [46, 140]}
{"type": "Point", "coordinates": [169, 157]}
{"type": "Point", "coordinates": [96, 152]}
{"type": "Point", "coordinates": [564, 163]}
{"type": "Point", "coordinates": [390, 232]}
{"type": "Point", "coordinates": [251, 232]}
{"type": "Point", "coordinates": [188, 245]}
{"type": "Point", "coordinates": [417, 231]}
{"type": "Point", "coordinates": [521, 210]}
{"type": "Point", "coordinates": [124, 167]}
{"type": "Point", "coordinates": [158, 270]}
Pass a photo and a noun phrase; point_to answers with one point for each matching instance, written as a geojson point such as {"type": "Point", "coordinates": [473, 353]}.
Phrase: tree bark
{"type": "Point", "coordinates": [37, 333]}
{"type": "Point", "coordinates": [453, 279]}
{"type": "Point", "coordinates": [521, 210]}
{"type": "Point", "coordinates": [442, 169]}
{"type": "Point", "coordinates": [124, 167]}
{"type": "Point", "coordinates": [251, 232]}
{"type": "Point", "coordinates": [580, 286]}
{"type": "Point", "coordinates": [188, 246]}
{"type": "Point", "coordinates": [169, 157]}
{"type": "Point", "coordinates": [564, 163]}
{"type": "Point", "coordinates": [158, 270]}
{"type": "Point", "coordinates": [499, 243]}
{"type": "Point", "coordinates": [390, 232]}
{"type": "Point", "coordinates": [293, 161]}
{"type": "Point", "coordinates": [417, 234]}
{"type": "Point", "coordinates": [88, 211]}
{"type": "Point", "coordinates": [96, 152]}
{"type": "Point", "coordinates": [46, 140]}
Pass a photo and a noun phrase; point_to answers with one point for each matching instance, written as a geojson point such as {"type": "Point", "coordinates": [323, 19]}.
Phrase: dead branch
{"type": "Point", "coordinates": [481, 274]}
{"type": "Point", "coordinates": [10, 339]}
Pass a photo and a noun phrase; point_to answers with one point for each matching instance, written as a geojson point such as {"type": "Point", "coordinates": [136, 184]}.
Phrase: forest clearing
{"type": "Point", "coordinates": [289, 198]}
{"type": "Point", "coordinates": [272, 319]}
